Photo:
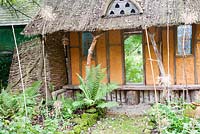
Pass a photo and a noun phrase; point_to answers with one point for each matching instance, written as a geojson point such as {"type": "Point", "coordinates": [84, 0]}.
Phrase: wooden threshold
{"type": "Point", "coordinates": [143, 87]}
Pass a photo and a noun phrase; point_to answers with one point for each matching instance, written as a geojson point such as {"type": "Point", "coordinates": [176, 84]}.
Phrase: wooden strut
{"type": "Point", "coordinates": [158, 56]}
{"type": "Point", "coordinates": [160, 65]}
{"type": "Point", "coordinates": [91, 49]}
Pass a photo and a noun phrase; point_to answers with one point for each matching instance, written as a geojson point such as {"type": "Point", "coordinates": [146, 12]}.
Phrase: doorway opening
{"type": "Point", "coordinates": [133, 52]}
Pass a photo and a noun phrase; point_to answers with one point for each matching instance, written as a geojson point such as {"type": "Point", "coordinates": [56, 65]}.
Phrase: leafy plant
{"type": "Point", "coordinates": [171, 119]}
{"type": "Point", "coordinates": [12, 104]}
{"type": "Point", "coordinates": [94, 89]}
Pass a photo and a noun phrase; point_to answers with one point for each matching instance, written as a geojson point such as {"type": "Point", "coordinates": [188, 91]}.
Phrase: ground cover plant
{"type": "Point", "coordinates": [174, 118]}
{"type": "Point", "coordinates": [120, 124]}
{"type": "Point", "coordinates": [58, 116]}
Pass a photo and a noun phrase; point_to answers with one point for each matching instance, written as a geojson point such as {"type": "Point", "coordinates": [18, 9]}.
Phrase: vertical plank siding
{"type": "Point", "coordinates": [110, 54]}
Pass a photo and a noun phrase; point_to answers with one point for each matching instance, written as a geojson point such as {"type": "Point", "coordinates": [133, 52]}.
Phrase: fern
{"type": "Point", "coordinates": [93, 88]}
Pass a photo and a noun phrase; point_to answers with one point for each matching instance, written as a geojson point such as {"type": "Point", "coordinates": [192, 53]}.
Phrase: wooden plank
{"type": "Point", "coordinates": [75, 65]}
{"type": "Point", "coordinates": [107, 56]}
{"type": "Point", "coordinates": [101, 53]}
{"type": "Point", "coordinates": [171, 53]}
{"type": "Point", "coordinates": [123, 59]}
{"type": "Point", "coordinates": [114, 37]}
{"type": "Point", "coordinates": [189, 67]}
{"type": "Point", "coordinates": [74, 39]}
{"type": "Point", "coordinates": [175, 47]}
{"type": "Point", "coordinates": [194, 42]}
{"type": "Point", "coordinates": [144, 88]}
{"type": "Point", "coordinates": [80, 52]}
{"type": "Point", "coordinates": [116, 64]}
{"type": "Point", "coordinates": [69, 70]}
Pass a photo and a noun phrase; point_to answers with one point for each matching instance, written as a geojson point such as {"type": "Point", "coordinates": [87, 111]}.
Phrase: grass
{"type": "Point", "coordinates": [120, 125]}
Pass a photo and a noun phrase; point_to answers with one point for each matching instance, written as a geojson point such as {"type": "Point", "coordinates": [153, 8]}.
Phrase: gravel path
{"type": "Point", "coordinates": [134, 110]}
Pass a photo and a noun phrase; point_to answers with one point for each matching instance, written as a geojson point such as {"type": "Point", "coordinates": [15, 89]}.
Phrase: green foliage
{"type": "Point", "coordinates": [9, 105]}
{"type": "Point", "coordinates": [171, 119]}
{"type": "Point", "coordinates": [5, 62]}
{"type": "Point", "coordinates": [13, 104]}
{"type": "Point", "coordinates": [134, 59]}
{"type": "Point", "coordinates": [93, 89]}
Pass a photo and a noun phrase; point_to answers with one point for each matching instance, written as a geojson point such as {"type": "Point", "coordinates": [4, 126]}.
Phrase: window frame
{"type": "Point", "coordinates": [192, 41]}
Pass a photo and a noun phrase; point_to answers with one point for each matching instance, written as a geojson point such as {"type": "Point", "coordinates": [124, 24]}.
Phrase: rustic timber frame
{"type": "Point", "coordinates": [109, 50]}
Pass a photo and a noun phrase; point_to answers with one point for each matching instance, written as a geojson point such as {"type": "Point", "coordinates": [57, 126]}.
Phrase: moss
{"type": "Point", "coordinates": [83, 123]}
{"type": "Point", "coordinates": [76, 120]}
{"type": "Point", "coordinates": [90, 118]}
{"type": "Point", "coordinates": [77, 129]}
{"type": "Point", "coordinates": [91, 110]}
{"type": "Point", "coordinates": [71, 132]}
{"type": "Point", "coordinates": [101, 112]}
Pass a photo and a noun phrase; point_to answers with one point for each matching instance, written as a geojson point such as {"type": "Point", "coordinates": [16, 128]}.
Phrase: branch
{"type": "Point", "coordinates": [91, 49]}
{"type": "Point", "coordinates": [16, 10]}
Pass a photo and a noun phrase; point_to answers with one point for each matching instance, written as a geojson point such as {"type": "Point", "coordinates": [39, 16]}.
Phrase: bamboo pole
{"type": "Point", "coordinates": [20, 71]}
{"type": "Point", "coordinates": [153, 77]}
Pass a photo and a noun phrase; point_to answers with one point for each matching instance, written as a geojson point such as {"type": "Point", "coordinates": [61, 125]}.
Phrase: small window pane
{"type": "Point", "coordinates": [184, 30]}
{"type": "Point", "coordinates": [86, 42]}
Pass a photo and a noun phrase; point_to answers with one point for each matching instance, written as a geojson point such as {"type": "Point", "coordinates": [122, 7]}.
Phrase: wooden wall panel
{"type": "Point", "coordinates": [74, 39]}
{"type": "Point", "coordinates": [101, 53]}
{"type": "Point", "coordinates": [198, 53]}
{"type": "Point", "coordinates": [198, 31]}
{"type": "Point", "coordinates": [149, 78]}
{"type": "Point", "coordinates": [198, 61]}
{"type": "Point", "coordinates": [75, 60]}
{"type": "Point", "coordinates": [148, 73]}
{"type": "Point", "coordinates": [115, 37]}
{"type": "Point", "coordinates": [171, 53]}
{"type": "Point", "coordinates": [115, 64]}
{"type": "Point", "coordinates": [189, 67]}
{"type": "Point", "coordinates": [75, 56]}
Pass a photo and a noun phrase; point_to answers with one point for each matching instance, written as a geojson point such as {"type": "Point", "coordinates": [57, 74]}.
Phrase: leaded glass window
{"type": "Point", "coordinates": [121, 7]}
{"type": "Point", "coordinates": [87, 38]}
{"type": "Point", "coordinates": [184, 36]}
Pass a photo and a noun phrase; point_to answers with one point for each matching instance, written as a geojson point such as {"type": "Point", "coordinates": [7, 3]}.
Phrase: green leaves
{"type": "Point", "coordinates": [134, 59]}
{"type": "Point", "coordinates": [93, 88]}
{"type": "Point", "coordinates": [172, 120]}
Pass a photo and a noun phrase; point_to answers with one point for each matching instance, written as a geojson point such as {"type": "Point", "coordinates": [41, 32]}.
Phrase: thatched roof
{"type": "Point", "coordinates": [10, 17]}
{"type": "Point", "coordinates": [88, 15]}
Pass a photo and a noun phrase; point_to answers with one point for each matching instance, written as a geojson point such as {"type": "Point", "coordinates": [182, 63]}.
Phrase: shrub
{"type": "Point", "coordinates": [94, 90]}
{"type": "Point", "coordinates": [171, 119]}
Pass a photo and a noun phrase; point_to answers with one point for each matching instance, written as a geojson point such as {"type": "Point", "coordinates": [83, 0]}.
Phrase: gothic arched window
{"type": "Point", "coordinates": [123, 7]}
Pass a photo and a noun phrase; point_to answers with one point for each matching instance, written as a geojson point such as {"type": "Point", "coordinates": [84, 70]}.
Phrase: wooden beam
{"type": "Point", "coordinates": [158, 56]}
{"type": "Point", "coordinates": [107, 55]}
{"type": "Point", "coordinates": [133, 87]}
{"type": "Point", "coordinates": [123, 58]}
{"type": "Point", "coordinates": [175, 47]}
{"type": "Point", "coordinates": [194, 44]}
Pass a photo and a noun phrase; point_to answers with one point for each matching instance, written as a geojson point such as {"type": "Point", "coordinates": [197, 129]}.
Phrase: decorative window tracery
{"type": "Point", "coordinates": [122, 7]}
